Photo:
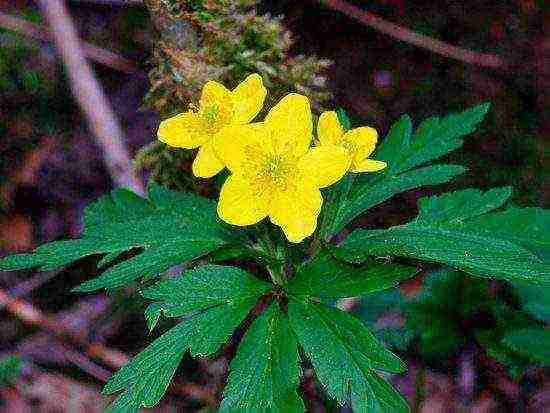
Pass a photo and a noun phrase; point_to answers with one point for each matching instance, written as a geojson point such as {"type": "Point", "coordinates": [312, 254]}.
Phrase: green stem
{"type": "Point", "coordinates": [276, 255]}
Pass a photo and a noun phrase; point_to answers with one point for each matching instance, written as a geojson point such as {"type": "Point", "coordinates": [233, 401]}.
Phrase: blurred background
{"type": "Point", "coordinates": [78, 116]}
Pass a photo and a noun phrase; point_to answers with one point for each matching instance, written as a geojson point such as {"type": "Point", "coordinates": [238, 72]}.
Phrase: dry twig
{"type": "Point", "coordinates": [97, 54]}
{"type": "Point", "coordinates": [90, 96]}
{"type": "Point", "coordinates": [401, 33]}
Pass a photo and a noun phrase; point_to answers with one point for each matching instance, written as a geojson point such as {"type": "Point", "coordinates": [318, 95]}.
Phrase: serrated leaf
{"type": "Point", "coordinates": [326, 277]}
{"type": "Point", "coordinates": [202, 288]}
{"type": "Point", "coordinates": [436, 137]}
{"type": "Point", "coordinates": [265, 372]}
{"type": "Point", "coordinates": [461, 205]}
{"type": "Point", "coordinates": [436, 236]}
{"type": "Point", "coordinates": [211, 319]}
{"type": "Point", "coordinates": [344, 354]}
{"type": "Point", "coordinates": [396, 141]}
{"type": "Point", "coordinates": [402, 151]}
{"type": "Point", "coordinates": [529, 227]}
{"type": "Point", "coordinates": [532, 343]}
{"type": "Point", "coordinates": [170, 228]}
{"type": "Point", "coordinates": [386, 186]}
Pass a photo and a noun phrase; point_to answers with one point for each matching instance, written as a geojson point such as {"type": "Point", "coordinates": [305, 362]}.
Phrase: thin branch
{"type": "Point", "coordinates": [401, 33]}
{"type": "Point", "coordinates": [90, 96]}
{"type": "Point", "coordinates": [29, 314]}
{"type": "Point", "coordinates": [97, 54]}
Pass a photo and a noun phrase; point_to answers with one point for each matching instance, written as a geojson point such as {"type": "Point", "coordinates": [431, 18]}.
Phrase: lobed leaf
{"type": "Point", "coordinates": [169, 228]}
{"type": "Point", "coordinates": [202, 288]}
{"type": "Point", "coordinates": [404, 150]}
{"type": "Point", "coordinates": [324, 276]}
{"type": "Point", "coordinates": [265, 372]}
{"type": "Point", "coordinates": [450, 229]}
{"type": "Point", "coordinates": [344, 354]}
{"type": "Point", "coordinates": [211, 320]}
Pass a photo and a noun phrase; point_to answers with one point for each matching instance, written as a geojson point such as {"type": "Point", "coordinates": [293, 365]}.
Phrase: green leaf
{"type": "Point", "coordinates": [202, 288]}
{"type": "Point", "coordinates": [384, 186]}
{"type": "Point", "coordinates": [344, 354]}
{"type": "Point", "coordinates": [532, 343]}
{"type": "Point", "coordinates": [343, 118]}
{"type": "Point", "coordinates": [535, 300]}
{"type": "Point", "coordinates": [404, 150]}
{"type": "Point", "coordinates": [211, 320]}
{"type": "Point", "coordinates": [10, 368]}
{"type": "Point", "coordinates": [529, 227]}
{"type": "Point", "coordinates": [170, 228]}
{"type": "Point", "coordinates": [450, 229]}
{"type": "Point", "coordinates": [397, 140]}
{"type": "Point", "coordinates": [461, 205]}
{"type": "Point", "coordinates": [265, 372]}
{"type": "Point", "coordinates": [433, 138]}
{"type": "Point", "coordinates": [326, 277]}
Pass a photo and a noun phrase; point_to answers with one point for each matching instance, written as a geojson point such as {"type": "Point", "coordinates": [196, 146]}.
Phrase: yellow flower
{"type": "Point", "coordinates": [359, 142]}
{"type": "Point", "coordinates": [218, 108]}
{"type": "Point", "coordinates": [275, 173]}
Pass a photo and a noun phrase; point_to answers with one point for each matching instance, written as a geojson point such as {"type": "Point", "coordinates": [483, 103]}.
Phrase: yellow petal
{"type": "Point", "coordinates": [206, 164]}
{"type": "Point", "coordinates": [361, 141]}
{"type": "Point", "coordinates": [248, 99]}
{"type": "Point", "coordinates": [296, 210]}
{"type": "Point", "coordinates": [368, 165]}
{"type": "Point", "coordinates": [182, 131]}
{"type": "Point", "coordinates": [325, 164]}
{"type": "Point", "coordinates": [239, 204]}
{"type": "Point", "coordinates": [290, 125]}
{"type": "Point", "coordinates": [329, 129]}
{"type": "Point", "coordinates": [241, 146]}
{"type": "Point", "coordinates": [214, 93]}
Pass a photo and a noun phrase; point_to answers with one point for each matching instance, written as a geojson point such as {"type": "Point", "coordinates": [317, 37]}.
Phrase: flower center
{"type": "Point", "coordinates": [210, 113]}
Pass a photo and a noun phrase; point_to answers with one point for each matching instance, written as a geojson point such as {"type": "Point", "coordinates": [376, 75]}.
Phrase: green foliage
{"type": "Point", "coordinates": [468, 230]}
{"type": "Point", "coordinates": [449, 312]}
{"type": "Point", "coordinates": [265, 372]}
{"type": "Point", "coordinates": [217, 302]}
{"type": "Point", "coordinates": [10, 368]}
{"type": "Point", "coordinates": [326, 277]}
{"type": "Point", "coordinates": [535, 300]}
{"type": "Point", "coordinates": [199, 289]}
{"type": "Point", "coordinates": [343, 119]}
{"type": "Point", "coordinates": [532, 343]}
{"type": "Point", "coordinates": [213, 300]}
{"type": "Point", "coordinates": [344, 354]}
{"type": "Point", "coordinates": [171, 228]}
{"type": "Point", "coordinates": [404, 150]}
{"type": "Point", "coordinates": [443, 233]}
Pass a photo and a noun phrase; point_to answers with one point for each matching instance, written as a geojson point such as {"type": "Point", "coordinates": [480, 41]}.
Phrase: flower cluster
{"type": "Point", "coordinates": [275, 170]}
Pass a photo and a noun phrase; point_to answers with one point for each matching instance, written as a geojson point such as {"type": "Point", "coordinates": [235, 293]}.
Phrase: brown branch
{"type": "Point", "coordinates": [401, 33]}
{"type": "Point", "coordinates": [97, 54]}
{"type": "Point", "coordinates": [90, 96]}
{"type": "Point", "coordinates": [32, 316]}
